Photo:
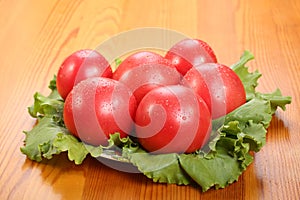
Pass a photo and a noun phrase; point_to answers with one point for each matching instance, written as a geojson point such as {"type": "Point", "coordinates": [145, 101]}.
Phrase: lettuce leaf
{"type": "Point", "coordinates": [163, 168]}
{"type": "Point", "coordinates": [250, 80]}
{"type": "Point", "coordinates": [39, 141]}
{"type": "Point", "coordinates": [221, 162]}
{"type": "Point", "coordinates": [218, 172]}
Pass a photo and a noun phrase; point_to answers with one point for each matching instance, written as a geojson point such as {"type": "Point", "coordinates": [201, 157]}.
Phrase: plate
{"type": "Point", "coordinates": [114, 160]}
{"type": "Point", "coordinates": [114, 155]}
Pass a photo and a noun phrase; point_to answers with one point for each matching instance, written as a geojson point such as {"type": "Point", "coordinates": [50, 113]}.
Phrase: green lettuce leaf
{"type": "Point", "coordinates": [39, 140]}
{"type": "Point", "coordinates": [218, 164]}
{"type": "Point", "coordinates": [118, 61]}
{"type": "Point", "coordinates": [257, 110]}
{"type": "Point", "coordinates": [276, 99]}
{"type": "Point", "coordinates": [250, 80]}
{"type": "Point", "coordinates": [76, 149]}
{"type": "Point", "coordinates": [46, 106]}
{"type": "Point", "coordinates": [162, 168]}
{"type": "Point", "coordinates": [50, 106]}
{"type": "Point", "coordinates": [217, 172]}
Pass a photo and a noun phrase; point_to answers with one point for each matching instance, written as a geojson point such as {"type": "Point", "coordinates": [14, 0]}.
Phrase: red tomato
{"type": "Point", "coordinates": [172, 119]}
{"type": "Point", "coordinates": [194, 80]}
{"type": "Point", "coordinates": [225, 87]}
{"type": "Point", "coordinates": [97, 107]}
{"type": "Point", "coordinates": [79, 66]}
{"type": "Point", "coordinates": [144, 71]}
{"type": "Point", "coordinates": [190, 52]}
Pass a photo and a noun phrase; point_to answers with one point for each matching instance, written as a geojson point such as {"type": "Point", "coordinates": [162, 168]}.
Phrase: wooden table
{"type": "Point", "coordinates": [36, 36]}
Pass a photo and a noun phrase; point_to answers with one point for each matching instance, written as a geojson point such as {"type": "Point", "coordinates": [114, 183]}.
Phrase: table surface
{"type": "Point", "coordinates": [36, 36]}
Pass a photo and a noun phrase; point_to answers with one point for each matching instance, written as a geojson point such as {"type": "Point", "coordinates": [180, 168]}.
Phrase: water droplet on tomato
{"type": "Point", "coordinates": [167, 102]}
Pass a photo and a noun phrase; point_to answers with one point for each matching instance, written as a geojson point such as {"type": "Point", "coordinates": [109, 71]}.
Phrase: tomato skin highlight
{"type": "Point", "coordinates": [226, 89]}
{"type": "Point", "coordinates": [172, 119]}
{"type": "Point", "coordinates": [97, 107]}
{"type": "Point", "coordinates": [190, 52]}
{"type": "Point", "coordinates": [79, 66]}
{"type": "Point", "coordinates": [144, 71]}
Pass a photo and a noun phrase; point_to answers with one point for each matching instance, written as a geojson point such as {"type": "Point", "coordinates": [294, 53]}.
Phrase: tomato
{"type": "Point", "coordinates": [144, 71]}
{"type": "Point", "coordinates": [225, 87]}
{"type": "Point", "coordinates": [97, 107]}
{"type": "Point", "coordinates": [194, 80]}
{"type": "Point", "coordinates": [190, 52]}
{"type": "Point", "coordinates": [78, 66]}
{"type": "Point", "coordinates": [172, 119]}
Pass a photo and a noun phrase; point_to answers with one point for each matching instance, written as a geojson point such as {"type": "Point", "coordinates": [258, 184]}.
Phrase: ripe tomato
{"type": "Point", "coordinates": [194, 80]}
{"type": "Point", "coordinates": [225, 87]}
{"type": "Point", "coordinates": [172, 119]}
{"type": "Point", "coordinates": [144, 71]}
{"type": "Point", "coordinates": [97, 107]}
{"type": "Point", "coordinates": [190, 52]}
{"type": "Point", "coordinates": [79, 66]}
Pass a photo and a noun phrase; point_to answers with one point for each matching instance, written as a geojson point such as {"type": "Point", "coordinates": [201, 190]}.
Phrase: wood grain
{"type": "Point", "coordinates": [36, 36]}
